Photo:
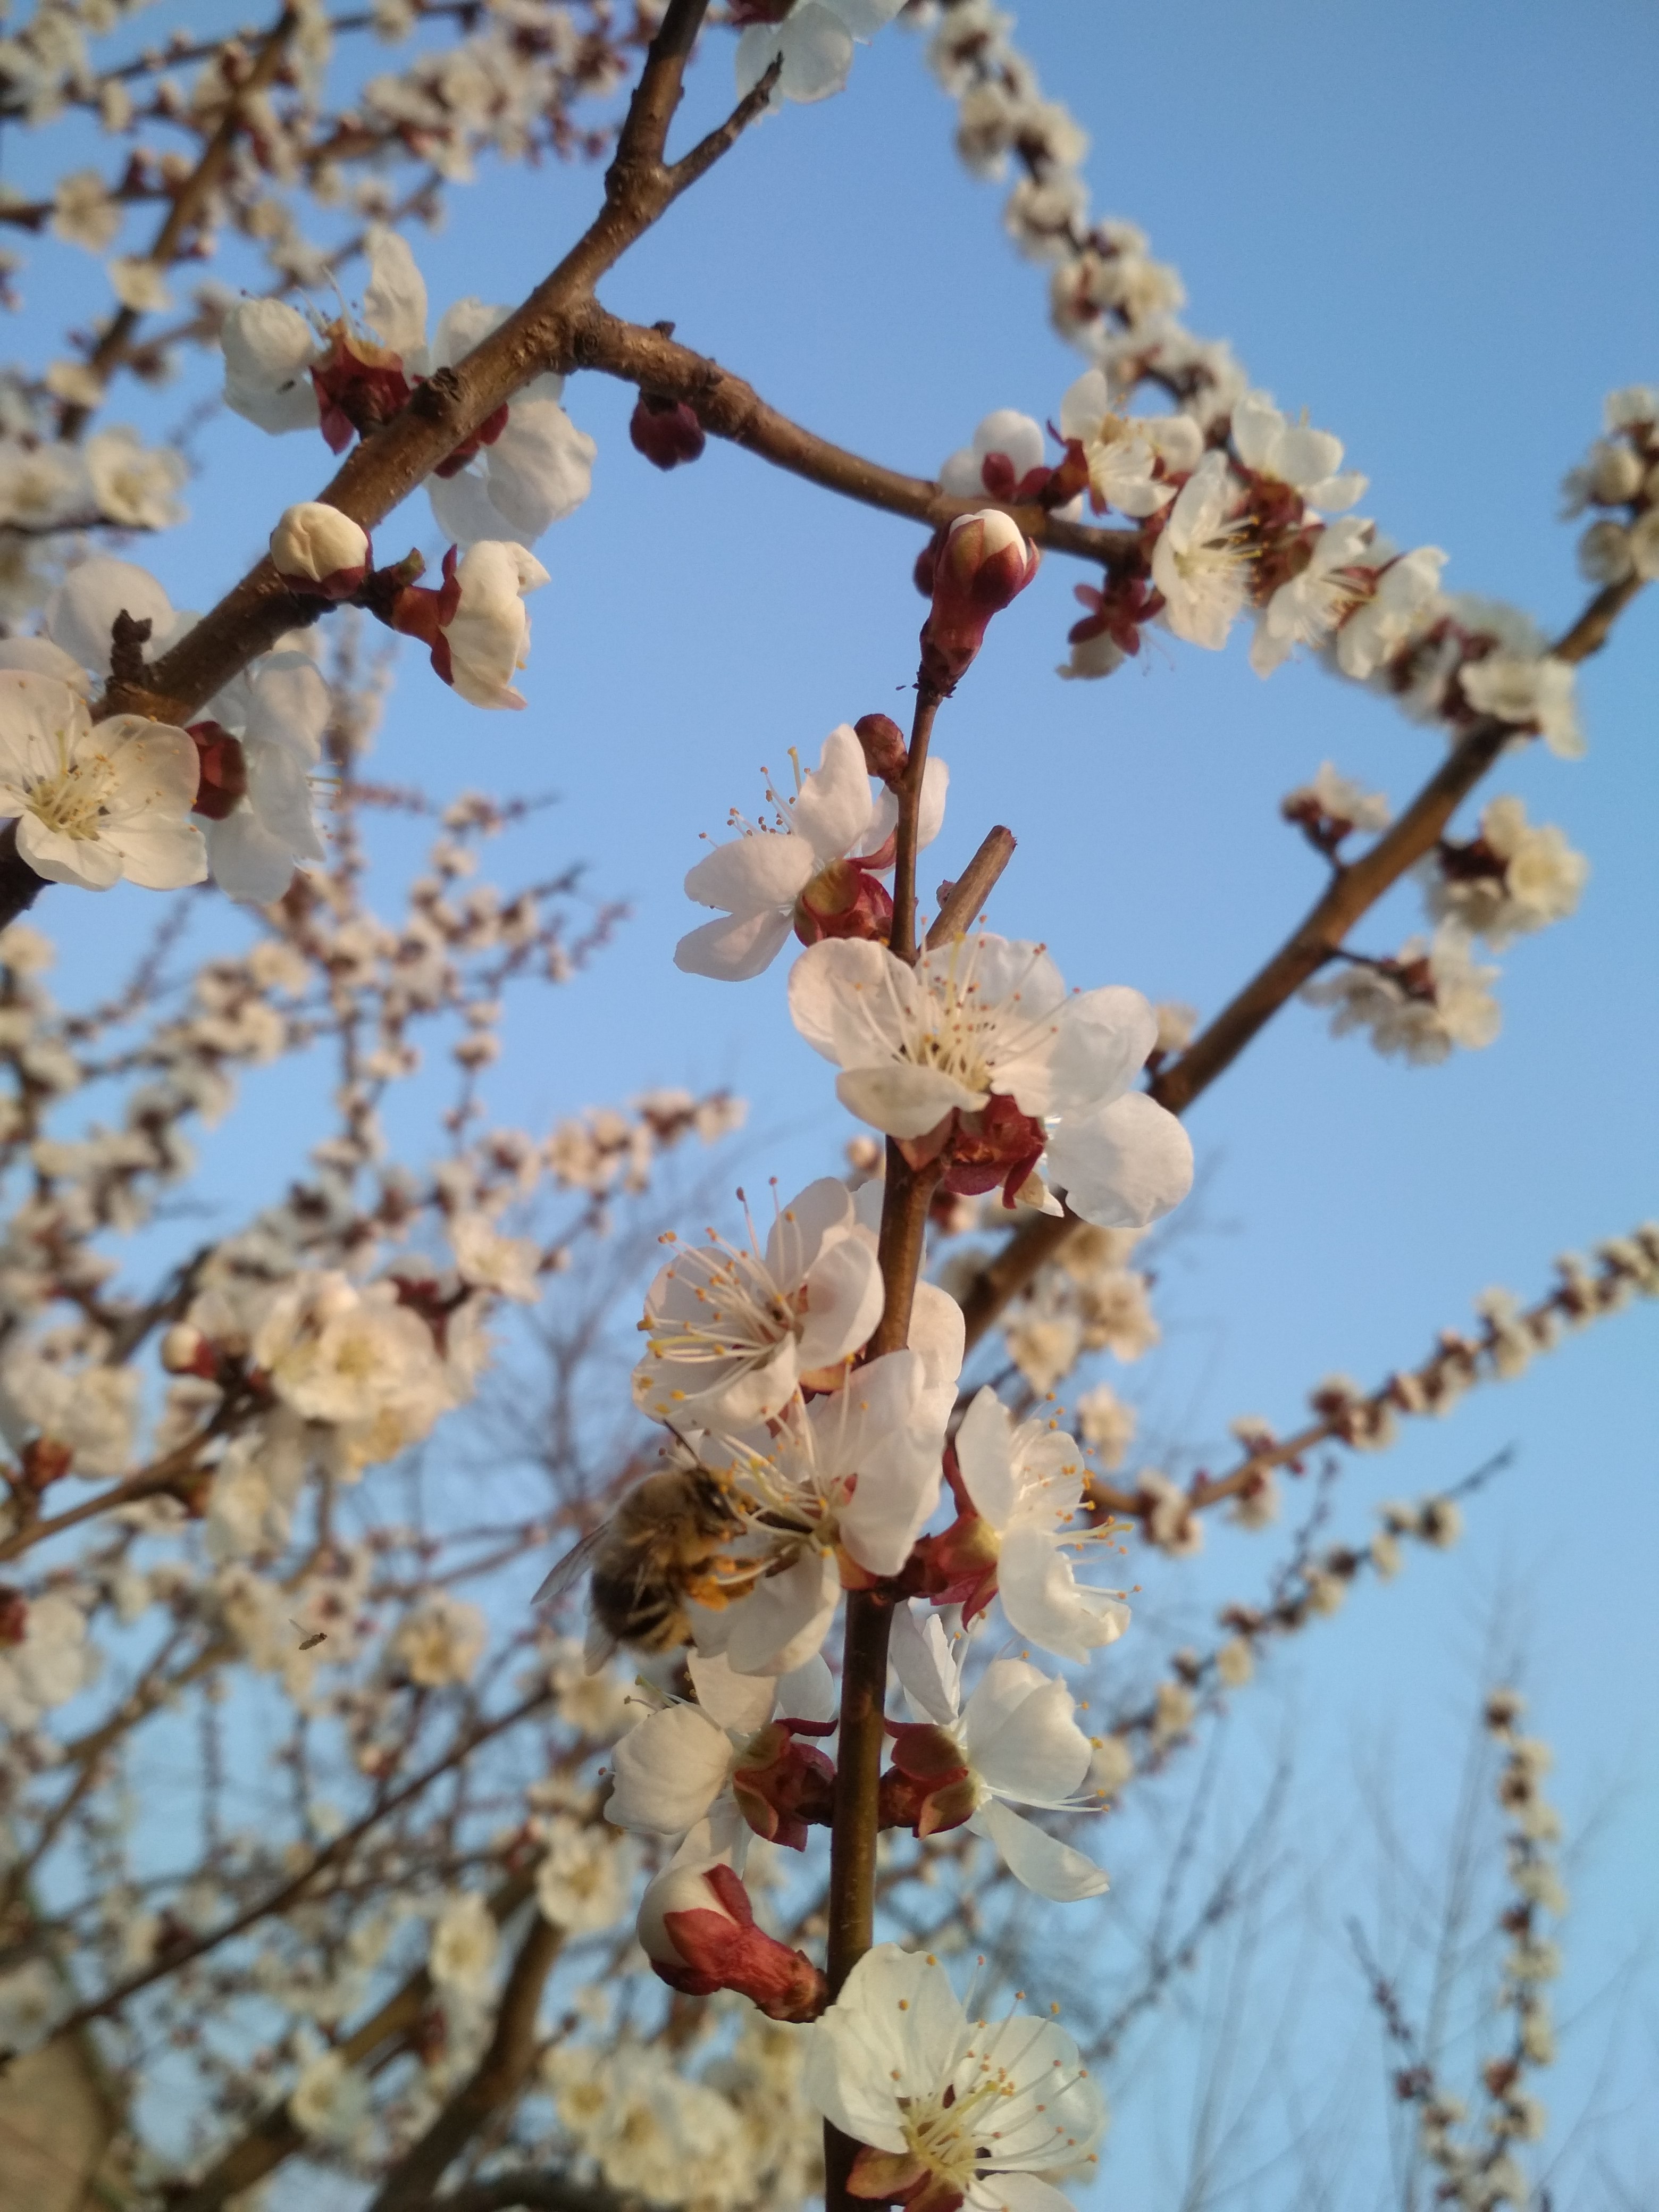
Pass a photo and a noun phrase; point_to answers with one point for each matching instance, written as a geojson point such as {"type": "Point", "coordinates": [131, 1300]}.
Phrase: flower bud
{"type": "Point", "coordinates": [667, 431]}
{"type": "Point", "coordinates": [885, 753]}
{"type": "Point", "coordinates": [929, 1787]}
{"type": "Point", "coordinates": [185, 1351]}
{"type": "Point", "coordinates": [697, 1928]}
{"type": "Point", "coordinates": [782, 1787]}
{"type": "Point", "coordinates": [984, 563]}
{"type": "Point", "coordinates": [320, 551]}
{"type": "Point", "coordinates": [843, 899]}
{"type": "Point", "coordinates": [221, 771]}
{"type": "Point", "coordinates": [14, 1615]}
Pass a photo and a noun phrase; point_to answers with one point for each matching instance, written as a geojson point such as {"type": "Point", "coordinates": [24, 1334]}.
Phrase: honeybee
{"type": "Point", "coordinates": [660, 1547]}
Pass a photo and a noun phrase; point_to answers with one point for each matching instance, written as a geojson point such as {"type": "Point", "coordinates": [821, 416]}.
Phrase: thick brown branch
{"type": "Point", "coordinates": [1351, 893]}
{"type": "Point", "coordinates": [734, 411]}
{"type": "Point", "coordinates": [274, 2138]}
{"type": "Point", "coordinates": [502, 2074]}
{"type": "Point", "coordinates": [535, 2192]}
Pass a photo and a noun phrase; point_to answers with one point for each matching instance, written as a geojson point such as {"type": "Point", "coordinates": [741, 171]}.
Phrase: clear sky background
{"type": "Point", "coordinates": [1433, 227]}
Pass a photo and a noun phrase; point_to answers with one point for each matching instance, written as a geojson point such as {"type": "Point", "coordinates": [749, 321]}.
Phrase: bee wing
{"type": "Point", "coordinates": [570, 1568]}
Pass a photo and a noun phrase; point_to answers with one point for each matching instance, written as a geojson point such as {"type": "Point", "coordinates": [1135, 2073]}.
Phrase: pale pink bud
{"type": "Point", "coordinates": [984, 562]}
{"type": "Point", "coordinates": [697, 1928]}
{"type": "Point", "coordinates": [320, 551]}
{"type": "Point", "coordinates": [183, 1349]}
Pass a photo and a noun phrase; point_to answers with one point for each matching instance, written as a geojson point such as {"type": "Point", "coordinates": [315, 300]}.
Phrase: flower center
{"type": "Point", "coordinates": [74, 801]}
{"type": "Point", "coordinates": [944, 2136]}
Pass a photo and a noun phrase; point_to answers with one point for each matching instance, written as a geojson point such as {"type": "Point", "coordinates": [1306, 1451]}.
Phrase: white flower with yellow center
{"type": "Point", "coordinates": [952, 2112]}
{"type": "Point", "coordinates": [95, 802]}
{"type": "Point", "coordinates": [1200, 562]}
{"type": "Point", "coordinates": [733, 1334]}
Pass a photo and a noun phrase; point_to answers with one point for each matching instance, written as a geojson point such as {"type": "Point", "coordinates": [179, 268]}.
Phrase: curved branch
{"type": "Point", "coordinates": [1352, 891]}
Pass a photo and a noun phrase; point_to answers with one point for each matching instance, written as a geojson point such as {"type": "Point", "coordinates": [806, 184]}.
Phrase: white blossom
{"type": "Point", "coordinates": [814, 41]}
{"type": "Point", "coordinates": [583, 1881]}
{"type": "Point", "coordinates": [1201, 563]}
{"type": "Point", "coordinates": [1268, 444]}
{"type": "Point", "coordinates": [134, 485]}
{"type": "Point", "coordinates": [440, 1641]}
{"type": "Point", "coordinates": [969, 2113]}
{"type": "Point", "coordinates": [1539, 878]}
{"type": "Point", "coordinates": [1535, 692]}
{"type": "Point", "coordinates": [1408, 586]}
{"type": "Point", "coordinates": [732, 1333]}
{"type": "Point", "coordinates": [759, 877]}
{"type": "Point", "coordinates": [487, 636]}
{"type": "Point", "coordinates": [93, 803]}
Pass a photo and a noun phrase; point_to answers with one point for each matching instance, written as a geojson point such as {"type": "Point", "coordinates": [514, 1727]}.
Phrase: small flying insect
{"type": "Point", "coordinates": [309, 1643]}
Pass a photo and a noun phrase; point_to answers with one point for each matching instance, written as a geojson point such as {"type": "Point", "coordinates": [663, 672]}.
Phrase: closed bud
{"type": "Point", "coordinates": [885, 750]}
{"type": "Point", "coordinates": [983, 564]}
{"type": "Point", "coordinates": [665, 431]}
{"type": "Point", "coordinates": [320, 551]}
{"type": "Point", "coordinates": [697, 1928]}
{"type": "Point", "coordinates": [185, 1351]}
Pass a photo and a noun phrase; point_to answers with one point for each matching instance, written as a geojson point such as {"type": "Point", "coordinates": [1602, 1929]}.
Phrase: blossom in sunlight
{"type": "Point", "coordinates": [732, 1333]}
{"type": "Point", "coordinates": [1408, 586]}
{"type": "Point", "coordinates": [1007, 459]}
{"type": "Point", "coordinates": [1418, 1006]}
{"type": "Point", "coordinates": [1014, 1742]}
{"type": "Point", "coordinates": [1308, 606]}
{"type": "Point", "coordinates": [96, 803]}
{"type": "Point", "coordinates": [1107, 1424]}
{"type": "Point", "coordinates": [978, 1057]}
{"type": "Point", "coordinates": [721, 1758]}
{"type": "Point", "coordinates": [836, 1489]}
{"type": "Point", "coordinates": [815, 873]}
{"type": "Point", "coordinates": [1135, 463]}
{"type": "Point", "coordinates": [1025, 1481]}
{"type": "Point", "coordinates": [1534, 692]}
{"type": "Point", "coordinates": [489, 1261]}
{"type": "Point", "coordinates": [133, 484]}
{"type": "Point", "coordinates": [80, 615]}
{"type": "Point", "coordinates": [1202, 563]}
{"type": "Point", "coordinates": [474, 623]}
{"type": "Point", "coordinates": [357, 1360]}
{"type": "Point", "coordinates": [811, 39]}
{"type": "Point", "coordinates": [258, 745]}
{"type": "Point", "coordinates": [585, 1878]}
{"type": "Point", "coordinates": [440, 1641]}
{"type": "Point", "coordinates": [951, 2112]}
{"type": "Point", "coordinates": [461, 1957]}
{"type": "Point", "coordinates": [1305, 461]}
{"type": "Point", "coordinates": [1515, 877]}
{"type": "Point", "coordinates": [527, 467]}
{"type": "Point", "coordinates": [330, 2100]}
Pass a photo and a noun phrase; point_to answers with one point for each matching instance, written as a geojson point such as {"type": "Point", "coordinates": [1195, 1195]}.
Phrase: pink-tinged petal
{"type": "Point", "coordinates": [731, 949]}
{"type": "Point", "coordinates": [902, 1100]}
{"type": "Point", "coordinates": [1039, 1862]}
{"type": "Point", "coordinates": [668, 1770]}
{"type": "Point", "coordinates": [1105, 1037]}
{"type": "Point", "coordinates": [833, 811]}
{"type": "Point", "coordinates": [1124, 1165]}
{"type": "Point", "coordinates": [850, 999]}
{"type": "Point", "coordinates": [844, 1299]}
{"type": "Point", "coordinates": [1044, 1602]}
{"type": "Point", "coordinates": [750, 875]}
{"type": "Point", "coordinates": [984, 1457]}
{"type": "Point", "coordinates": [821, 1213]}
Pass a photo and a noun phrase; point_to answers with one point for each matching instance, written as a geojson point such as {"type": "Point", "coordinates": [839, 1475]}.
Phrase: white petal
{"type": "Point", "coordinates": [751, 875]}
{"type": "Point", "coordinates": [738, 1701]}
{"type": "Point", "coordinates": [1044, 1602]}
{"type": "Point", "coordinates": [669, 1770]}
{"type": "Point", "coordinates": [781, 1626]}
{"type": "Point", "coordinates": [844, 1303]}
{"type": "Point", "coordinates": [80, 613]}
{"type": "Point", "coordinates": [814, 1219]}
{"type": "Point", "coordinates": [463, 509]}
{"type": "Point", "coordinates": [985, 1459]}
{"type": "Point", "coordinates": [541, 467]}
{"type": "Point", "coordinates": [467, 323]}
{"type": "Point", "coordinates": [818, 53]}
{"type": "Point", "coordinates": [92, 864]}
{"type": "Point", "coordinates": [731, 951]}
{"type": "Point", "coordinates": [1104, 1038]}
{"type": "Point", "coordinates": [1023, 1738]}
{"type": "Point", "coordinates": [807, 1692]}
{"type": "Point", "coordinates": [903, 1100]}
{"type": "Point", "coordinates": [851, 1000]}
{"type": "Point", "coordinates": [289, 704]}
{"type": "Point", "coordinates": [1085, 402]}
{"type": "Point", "coordinates": [394, 304]}
{"type": "Point", "coordinates": [928, 1673]}
{"type": "Point", "coordinates": [833, 811]}
{"type": "Point", "coordinates": [1124, 1165]}
{"type": "Point", "coordinates": [1038, 1861]}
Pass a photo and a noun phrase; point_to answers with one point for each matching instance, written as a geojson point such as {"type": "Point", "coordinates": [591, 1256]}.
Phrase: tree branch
{"type": "Point", "coordinates": [1351, 893]}
{"type": "Point", "coordinates": [963, 898]}
{"type": "Point", "coordinates": [502, 2074]}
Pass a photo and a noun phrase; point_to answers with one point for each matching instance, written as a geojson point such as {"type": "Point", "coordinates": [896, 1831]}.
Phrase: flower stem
{"type": "Point", "coordinates": [902, 941]}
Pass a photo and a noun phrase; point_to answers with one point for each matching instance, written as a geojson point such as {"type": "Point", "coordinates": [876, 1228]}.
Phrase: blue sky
{"type": "Point", "coordinates": [1432, 226]}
